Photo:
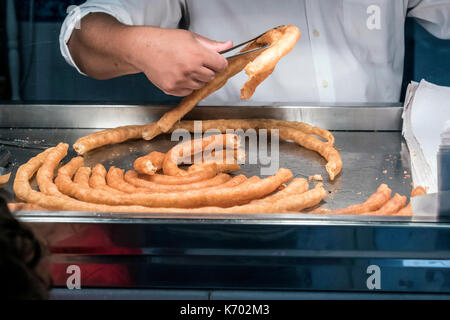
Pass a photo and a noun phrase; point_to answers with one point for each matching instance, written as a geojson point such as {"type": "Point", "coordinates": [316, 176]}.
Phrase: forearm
{"type": "Point", "coordinates": [99, 47]}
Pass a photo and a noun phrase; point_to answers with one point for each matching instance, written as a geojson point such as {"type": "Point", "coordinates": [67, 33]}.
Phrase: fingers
{"type": "Point", "coordinates": [195, 84]}
{"type": "Point", "coordinates": [215, 61]}
{"type": "Point", "coordinates": [212, 58]}
{"type": "Point", "coordinates": [225, 45]}
{"type": "Point", "coordinates": [216, 46]}
{"type": "Point", "coordinates": [197, 80]}
{"type": "Point", "coordinates": [204, 75]}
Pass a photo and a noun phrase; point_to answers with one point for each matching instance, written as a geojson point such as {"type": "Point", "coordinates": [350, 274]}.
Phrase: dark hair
{"type": "Point", "coordinates": [20, 256]}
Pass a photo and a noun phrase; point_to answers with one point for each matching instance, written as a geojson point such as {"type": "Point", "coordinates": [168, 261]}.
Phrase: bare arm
{"type": "Point", "coordinates": [97, 47]}
{"type": "Point", "coordinates": [176, 61]}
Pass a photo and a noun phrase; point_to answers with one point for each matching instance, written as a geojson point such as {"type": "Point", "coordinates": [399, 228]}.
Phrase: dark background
{"type": "Point", "coordinates": [46, 76]}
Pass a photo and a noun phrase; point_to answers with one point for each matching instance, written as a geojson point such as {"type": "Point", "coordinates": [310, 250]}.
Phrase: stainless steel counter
{"type": "Point", "coordinates": [270, 251]}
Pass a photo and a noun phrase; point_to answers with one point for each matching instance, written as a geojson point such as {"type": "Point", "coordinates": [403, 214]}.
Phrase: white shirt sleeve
{"type": "Point", "coordinates": [159, 13]}
{"type": "Point", "coordinates": [433, 15]}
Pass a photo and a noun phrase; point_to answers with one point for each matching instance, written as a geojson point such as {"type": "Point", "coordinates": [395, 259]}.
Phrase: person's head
{"type": "Point", "coordinates": [22, 274]}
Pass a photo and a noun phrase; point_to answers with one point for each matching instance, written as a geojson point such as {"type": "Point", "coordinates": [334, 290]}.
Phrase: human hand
{"type": "Point", "coordinates": [176, 61]}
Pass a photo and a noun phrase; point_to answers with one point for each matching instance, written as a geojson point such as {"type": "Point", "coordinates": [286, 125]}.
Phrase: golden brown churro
{"type": "Point", "coordinates": [392, 206]}
{"type": "Point", "coordinates": [101, 138]}
{"type": "Point", "coordinates": [294, 198]}
{"type": "Point", "coordinates": [82, 176]}
{"type": "Point", "coordinates": [373, 203]}
{"type": "Point", "coordinates": [282, 40]}
{"type": "Point", "coordinates": [150, 163]}
{"type": "Point", "coordinates": [44, 176]}
{"type": "Point", "coordinates": [21, 206]}
{"type": "Point", "coordinates": [98, 179]}
{"type": "Point", "coordinates": [23, 191]}
{"type": "Point", "coordinates": [115, 179]}
{"type": "Point", "coordinates": [105, 137]}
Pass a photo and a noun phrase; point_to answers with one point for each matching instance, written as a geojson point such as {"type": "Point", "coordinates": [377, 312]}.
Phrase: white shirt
{"type": "Point", "coordinates": [349, 51]}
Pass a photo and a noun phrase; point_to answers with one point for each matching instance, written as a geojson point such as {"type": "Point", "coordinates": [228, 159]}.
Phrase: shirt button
{"type": "Point", "coordinates": [325, 83]}
{"type": "Point", "coordinates": [316, 33]}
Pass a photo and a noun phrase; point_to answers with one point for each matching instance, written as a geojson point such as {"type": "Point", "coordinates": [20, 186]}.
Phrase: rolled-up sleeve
{"type": "Point", "coordinates": [433, 15]}
{"type": "Point", "coordinates": [160, 13]}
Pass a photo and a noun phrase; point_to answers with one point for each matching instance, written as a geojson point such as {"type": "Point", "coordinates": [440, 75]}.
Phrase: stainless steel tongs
{"type": "Point", "coordinates": [244, 43]}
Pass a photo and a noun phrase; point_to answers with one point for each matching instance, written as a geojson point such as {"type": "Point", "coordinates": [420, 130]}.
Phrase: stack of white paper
{"type": "Point", "coordinates": [426, 109]}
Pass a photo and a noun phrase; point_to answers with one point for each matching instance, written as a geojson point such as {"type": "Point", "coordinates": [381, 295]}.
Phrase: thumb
{"type": "Point", "coordinates": [216, 46]}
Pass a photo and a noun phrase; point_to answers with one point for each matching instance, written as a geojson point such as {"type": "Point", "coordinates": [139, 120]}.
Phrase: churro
{"type": "Point", "coordinates": [150, 163]}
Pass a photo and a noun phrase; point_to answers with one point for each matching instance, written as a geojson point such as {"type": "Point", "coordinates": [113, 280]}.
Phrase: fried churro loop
{"type": "Point", "coordinates": [296, 186]}
{"type": "Point", "coordinates": [182, 150]}
{"type": "Point", "coordinates": [373, 203]}
{"type": "Point", "coordinates": [282, 40]}
{"type": "Point", "coordinates": [23, 191]}
{"type": "Point", "coordinates": [121, 134]}
{"type": "Point", "coordinates": [325, 149]}
{"type": "Point", "coordinates": [407, 211]}
{"type": "Point", "coordinates": [44, 176]}
{"type": "Point", "coordinates": [190, 199]}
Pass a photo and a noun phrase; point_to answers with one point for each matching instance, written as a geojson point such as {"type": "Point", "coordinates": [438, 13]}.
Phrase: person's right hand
{"type": "Point", "coordinates": [176, 61]}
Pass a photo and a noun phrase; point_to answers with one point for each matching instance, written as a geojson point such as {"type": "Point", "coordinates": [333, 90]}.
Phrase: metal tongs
{"type": "Point", "coordinates": [244, 43]}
